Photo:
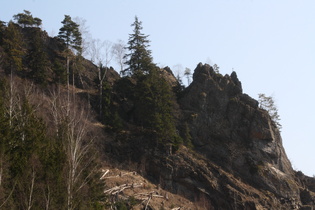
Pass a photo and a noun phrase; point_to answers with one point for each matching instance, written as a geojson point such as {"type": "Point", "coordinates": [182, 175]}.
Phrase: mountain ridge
{"type": "Point", "coordinates": [233, 157]}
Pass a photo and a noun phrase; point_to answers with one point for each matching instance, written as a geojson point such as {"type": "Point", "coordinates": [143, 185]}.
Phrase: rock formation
{"type": "Point", "coordinates": [238, 160]}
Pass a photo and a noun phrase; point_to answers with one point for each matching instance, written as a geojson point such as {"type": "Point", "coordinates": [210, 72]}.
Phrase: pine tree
{"type": "Point", "coordinates": [267, 103]}
{"type": "Point", "coordinates": [72, 37]}
{"type": "Point", "coordinates": [139, 59]}
{"type": "Point", "coordinates": [26, 19]}
{"type": "Point", "coordinates": [70, 34]}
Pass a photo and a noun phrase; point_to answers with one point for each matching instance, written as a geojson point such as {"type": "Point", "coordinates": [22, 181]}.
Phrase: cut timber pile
{"type": "Point", "coordinates": [123, 186]}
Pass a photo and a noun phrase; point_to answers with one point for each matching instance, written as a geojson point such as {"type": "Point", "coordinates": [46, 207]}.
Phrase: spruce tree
{"type": "Point", "coordinates": [155, 107]}
{"type": "Point", "coordinates": [27, 138]}
{"type": "Point", "coordinates": [37, 59]}
{"type": "Point", "coordinates": [139, 59]}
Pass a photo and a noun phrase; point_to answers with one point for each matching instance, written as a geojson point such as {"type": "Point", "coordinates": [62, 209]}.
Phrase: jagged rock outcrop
{"type": "Point", "coordinates": [228, 128]}
{"type": "Point", "coordinates": [238, 160]}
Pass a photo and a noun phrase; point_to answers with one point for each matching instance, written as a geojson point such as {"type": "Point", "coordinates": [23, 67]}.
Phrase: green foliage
{"type": "Point", "coordinates": [60, 73]}
{"type": "Point", "coordinates": [70, 34]}
{"type": "Point", "coordinates": [26, 19]}
{"type": "Point", "coordinates": [126, 204]}
{"type": "Point", "coordinates": [154, 104]}
{"type": "Point", "coordinates": [186, 136]}
{"type": "Point", "coordinates": [106, 102]}
{"type": "Point", "coordinates": [109, 116]}
{"type": "Point", "coordinates": [34, 164]}
{"type": "Point", "coordinates": [4, 139]}
{"type": "Point", "coordinates": [216, 68]}
{"type": "Point", "coordinates": [22, 140]}
{"type": "Point", "coordinates": [2, 29]}
{"type": "Point", "coordinates": [179, 88]}
{"type": "Point", "coordinates": [139, 59]}
{"type": "Point", "coordinates": [28, 134]}
{"type": "Point", "coordinates": [13, 47]}
{"type": "Point", "coordinates": [267, 103]}
{"type": "Point", "coordinates": [37, 59]}
{"type": "Point", "coordinates": [121, 205]}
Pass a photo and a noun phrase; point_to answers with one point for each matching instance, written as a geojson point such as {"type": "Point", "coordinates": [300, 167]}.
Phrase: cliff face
{"type": "Point", "coordinates": [228, 128]}
{"type": "Point", "coordinates": [238, 160]}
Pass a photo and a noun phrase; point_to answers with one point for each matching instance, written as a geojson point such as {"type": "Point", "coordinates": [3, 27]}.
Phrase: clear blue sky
{"type": "Point", "coordinates": [270, 44]}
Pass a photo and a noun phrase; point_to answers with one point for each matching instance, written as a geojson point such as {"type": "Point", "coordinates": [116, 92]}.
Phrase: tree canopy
{"type": "Point", "coordinates": [70, 34]}
{"type": "Point", "coordinates": [139, 59]}
{"type": "Point", "coordinates": [267, 103]}
{"type": "Point", "coordinates": [26, 19]}
{"type": "Point", "coordinates": [13, 46]}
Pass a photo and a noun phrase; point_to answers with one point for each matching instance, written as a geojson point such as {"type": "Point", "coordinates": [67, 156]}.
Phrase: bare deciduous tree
{"type": "Point", "coordinates": [178, 71]}
{"type": "Point", "coordinates": [86, 36]}
{"type": "Point", "coordinates": [77, 148]}
{"type": "Point", "coordinates": [77, 144]}
{"type": "Point", "coordinates": [101, 55]}
{"type": "Point", "coordinates": [187, 73]}
{"type": "Point", "coordinates": [119, 51]}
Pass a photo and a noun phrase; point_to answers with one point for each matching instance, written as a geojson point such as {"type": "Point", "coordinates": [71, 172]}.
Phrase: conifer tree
{"type": "Point", "coordinates": [139, 59]}
{"type": "Point", "coordinates": [28, 139]}
{"type": "Point", "coordinates": [13, 47]}
{"type": "Point", "coordinates": [2, 29]}
{"type": "Point", "coordinates": [4, 159]}
{"type": "Point", "coordinates": [267, 103]}
{"type": "Point", "coordinates": [155, 107]}
{"type": "Point", "coordinates": [70, 34]}
{"type": "Point", "coordinates": [26, 19]}
{"type": "Point", "coordinates": [37, 57]}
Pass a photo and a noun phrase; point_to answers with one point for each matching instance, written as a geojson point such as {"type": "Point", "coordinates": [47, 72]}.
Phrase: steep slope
{"type": "Point", "coordinates": [230, 129]}
{"type": "Point", "coordinates": [238, 160]}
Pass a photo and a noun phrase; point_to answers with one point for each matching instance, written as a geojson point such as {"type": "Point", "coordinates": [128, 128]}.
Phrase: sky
{"type": "Point", "coordinates": [269, 44]}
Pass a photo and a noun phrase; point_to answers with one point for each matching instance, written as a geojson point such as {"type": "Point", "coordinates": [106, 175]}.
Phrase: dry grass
{"type": "Point", "coordinates": [124, 185]}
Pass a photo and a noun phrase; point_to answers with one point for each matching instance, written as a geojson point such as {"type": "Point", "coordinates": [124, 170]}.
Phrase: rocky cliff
{"type": "Point", "coordinates": [238, 160]}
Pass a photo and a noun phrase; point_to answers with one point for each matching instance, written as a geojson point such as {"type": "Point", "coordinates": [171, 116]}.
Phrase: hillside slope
{"type": "Point", "coordinates": [238, 160]}
{"type": "Point", "coordinates": [218, 149]}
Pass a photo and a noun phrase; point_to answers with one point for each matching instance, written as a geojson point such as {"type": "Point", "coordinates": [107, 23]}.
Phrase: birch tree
{"type": "Point", "coordinates": [85, 34]}
{"type": "Point", "coordinates": [101, 55]}
{"type": "Point", "coordinates": [119, 51]}
{"type": "Point", "coordinates": [72, 129]}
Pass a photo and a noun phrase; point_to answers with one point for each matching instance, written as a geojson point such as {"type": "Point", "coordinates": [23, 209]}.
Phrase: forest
{"type": "Point", "coordinates": [65, 113]}
{"type": "Point", "coordinates": [51, 150]}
